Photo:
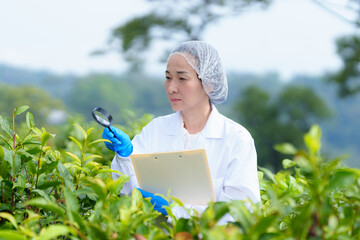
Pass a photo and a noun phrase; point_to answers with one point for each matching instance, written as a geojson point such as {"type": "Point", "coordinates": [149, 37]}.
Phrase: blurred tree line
{"type": "Point", "coordinates": [348, 46]}
{"type": "Point", "coordinates": [272, 110]}
{"type": "Point", "coordinates": [190, 19]}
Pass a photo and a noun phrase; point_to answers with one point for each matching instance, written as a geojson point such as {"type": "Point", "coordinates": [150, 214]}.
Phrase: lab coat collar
{"type": "Point", "coordinates": [214, 127]}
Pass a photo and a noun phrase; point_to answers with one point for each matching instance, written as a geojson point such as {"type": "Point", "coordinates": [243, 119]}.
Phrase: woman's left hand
{"type": "Point", "coordinates": [158, 201]}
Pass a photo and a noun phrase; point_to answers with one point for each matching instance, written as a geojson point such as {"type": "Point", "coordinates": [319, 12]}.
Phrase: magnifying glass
{"type": "Point", "coordinates": [102, 117]}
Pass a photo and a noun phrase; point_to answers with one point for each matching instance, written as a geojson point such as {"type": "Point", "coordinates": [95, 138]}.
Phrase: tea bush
{"type": "Point", "coordinates": [49, 192]}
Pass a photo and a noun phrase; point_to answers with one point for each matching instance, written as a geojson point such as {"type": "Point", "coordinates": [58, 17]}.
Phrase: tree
{"type": "Point", "coordinates": [173, 20]}
{"type": "Point", "coordinates": [346, 10]}
{"type": "Point", "coordinates": [302, 107]}
{"type": "Point", "coordinates": [41, 103]}
{"type": "Point", "coordinates": [284, 118]}
{"type": "Point", "coordinates": [259, 115]}
{"type": "Point", "coordinates": [100, 91]}
{"type": "Point", "coordinates": [348, 77]}
{"type": "Point", "coordinates": [348, 47]}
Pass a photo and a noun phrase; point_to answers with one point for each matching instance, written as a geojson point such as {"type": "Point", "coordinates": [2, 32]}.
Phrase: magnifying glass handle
{"type": "Point", "coordinates": [111, 130]}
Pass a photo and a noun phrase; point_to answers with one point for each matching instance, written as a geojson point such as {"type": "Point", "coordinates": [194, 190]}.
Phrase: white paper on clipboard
{"type": "Point", "coordinates": [185, 173]}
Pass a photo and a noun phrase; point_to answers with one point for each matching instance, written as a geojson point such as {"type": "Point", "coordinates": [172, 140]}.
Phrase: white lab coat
{"type": "Point", "coordinates": [229, 148]}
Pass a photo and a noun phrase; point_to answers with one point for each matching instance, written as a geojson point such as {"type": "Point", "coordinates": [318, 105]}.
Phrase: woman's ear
{"type": "Point", "coordinates": [208, 88]}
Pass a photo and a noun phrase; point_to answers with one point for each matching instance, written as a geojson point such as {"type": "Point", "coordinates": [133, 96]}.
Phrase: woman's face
{"type": "Point", "coordinates": [183, 88]}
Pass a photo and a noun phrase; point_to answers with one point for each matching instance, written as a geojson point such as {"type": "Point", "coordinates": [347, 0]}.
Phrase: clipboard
{"type": "Point", "coordinates": [183, 174]}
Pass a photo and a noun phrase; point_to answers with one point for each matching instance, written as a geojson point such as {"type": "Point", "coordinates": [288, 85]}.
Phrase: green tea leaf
{"type": "Point", "coordinates": [176, 201]}
{"type": "Point", "coordinates": [29, 120]}
{"type": "Point", "coordinates": [109, 171]}
{"type": "Point", "coordinates": [81, 130]}
{"type": "Point", "coordinates": [17, 164]}
{"type": "Point", "coordinates": [6, 142]}
{"type": "Point", "coordinates": [96, 231]}
{"type": "Point", "coordinates": [66, 176]}
{"type": "Point", "coordinates": [333, 222]}
{"type": "Point", "coordinates": [139, 220]}
{"type": "Point", "coordinates": [13, 160]}
{"type": "Point", "coordinates": [89, 158]}
{"type": "Point", "coordinates": [99, 140]}
{"type": "Point", "coordinates": [220, 209]}
{"type": "Point", "coordinates": [20, 183]}
{"type": "Point", "coordinates": [287, 163]}
{"type": "Point", "coordinates": [182, 225]}
{"type": "Point", "coordinates": [99, 187]}
{"type": "Point", "coordinates": [11, 235]}
{"type": "Point", "coordinates": [83, 191]}
{"type": "Point", "coordinates": [1, 154]}
{"type": "Point", "coordinates": [312, 139]}
{"type": "Point", "coordinates": [25, 156]}
{"type": "Point", "coordinates": [92, 157]}
{"type": "Point", "coordinates": [31, 168]}
{"type": "Point", "coordinates": [37, 131]}
{"type": "Point", "coordinates": [268, 173]}
{"type": "Point", "coordinates": [78, 219]}
{"type": "Point", "coordinates": [54, 231]}
{"type": "Point", "coordinates": [30, 139]}
{"type": "Point", "coordinates": [265, 223]}
{"type": "Point", "coordinates": [20, 110]}
{"type": "Point", "coordinates": [8, 157]}
{"type": "Point", "coordinates": [116, 185]}
{"type": "Point", "coordinates": [32, 217]}
{"type": "Point", "coordinates": [49, 184]}
{"type": "Point", "coordinates": [73, 156]}
{"type": "Point", "coordinates": [81, 168]}
{"type": "Point", "coordinates": [4, 169]}
{"type": "Point", "coordinates": [34, 151]}
{"type": "Point", "coordinates": [285, 148]}
{"type": "Point", "coordinates": [10, 218]}
{"type": "Point", "coordinates": [88, 132]}
{"type": "Point", "coordinates": [71, 201]}
{"type": "Point", "coordinates": [44, 138]}
{"type": "Point", "coordinates": [72, 208]}
{"type": "Point", "coordinates": [46, 204]}
{"type": "Point", "coordinates": [77, 142]}
{"type": "Point", "coordinates": [48, 167]}
{"type": "Point", "coordinates": [136, 197]}
{"type": "Point", "coordinates": [4, 124]}
{"type": "Point", "coordinates": [41, 193]}
{"type": "Point", "coordinates": [242, 215]}
{"type": "Point", "coordinates": [343, 177]}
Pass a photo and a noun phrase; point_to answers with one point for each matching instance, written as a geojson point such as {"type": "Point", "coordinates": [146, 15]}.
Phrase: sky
{"type": "Point", "coordinates": [290, 37]}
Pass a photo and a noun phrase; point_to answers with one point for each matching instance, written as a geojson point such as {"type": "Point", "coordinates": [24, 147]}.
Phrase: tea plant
{"type": "Point", "coordinates": [45, 194]}
{"type": "Point", "coordinates": [49, 193]}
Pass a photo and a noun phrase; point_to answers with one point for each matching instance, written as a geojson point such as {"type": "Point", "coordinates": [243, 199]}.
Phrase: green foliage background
{"type": "Point", "coordinates": [49, 192]}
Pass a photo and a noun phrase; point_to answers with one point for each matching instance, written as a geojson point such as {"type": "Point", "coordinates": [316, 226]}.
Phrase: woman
{"type": "Point", "coordinates": [195, 81]}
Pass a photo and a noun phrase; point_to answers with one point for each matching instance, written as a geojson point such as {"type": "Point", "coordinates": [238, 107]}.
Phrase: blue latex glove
{"type": "Point", "coordinates": [120, 141]}
{"type": "Point", "coordinates": [155, 200]}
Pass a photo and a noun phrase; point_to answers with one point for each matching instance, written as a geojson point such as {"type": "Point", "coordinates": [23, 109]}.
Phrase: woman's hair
{"type": "Point", "coordinates": [204, 59]}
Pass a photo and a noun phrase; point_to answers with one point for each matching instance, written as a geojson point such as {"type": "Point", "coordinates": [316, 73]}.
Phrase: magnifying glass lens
{"type": "Point", "coordinates": [103, 120]}
{"type": "Point", "coordinates": [102, 116]}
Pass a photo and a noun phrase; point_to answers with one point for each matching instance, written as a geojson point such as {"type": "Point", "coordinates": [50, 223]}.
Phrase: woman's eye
{"type": "Point", "coordinates": [182, 79]}
{"type": "Point", "coordinates": [167, 78]}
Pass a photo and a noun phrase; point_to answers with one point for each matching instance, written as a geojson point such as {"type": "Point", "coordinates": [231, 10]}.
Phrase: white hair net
{"type": "Point", "coordinates": [204, 59]}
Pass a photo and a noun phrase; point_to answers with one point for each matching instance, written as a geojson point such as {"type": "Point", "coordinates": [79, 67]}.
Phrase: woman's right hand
{"type": "Point", "coordinates": [120, 141]}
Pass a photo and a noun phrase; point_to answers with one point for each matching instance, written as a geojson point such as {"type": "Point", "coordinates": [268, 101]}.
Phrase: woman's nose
{"type": "Point", "coordinates": [172, 86]}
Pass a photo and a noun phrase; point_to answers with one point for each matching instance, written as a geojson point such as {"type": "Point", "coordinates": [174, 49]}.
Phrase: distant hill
{"type": "Point", "coordinates": [56, 85]}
